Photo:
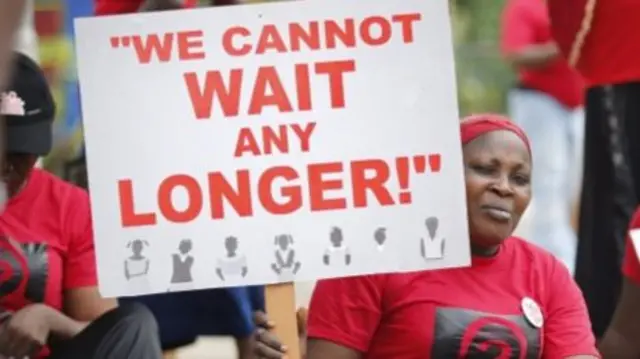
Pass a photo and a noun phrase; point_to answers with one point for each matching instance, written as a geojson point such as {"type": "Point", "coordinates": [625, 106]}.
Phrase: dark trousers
{"type": "Point", "coordinates": [127, 332]}
{"type": "Point", "coordinates": [611, 185]}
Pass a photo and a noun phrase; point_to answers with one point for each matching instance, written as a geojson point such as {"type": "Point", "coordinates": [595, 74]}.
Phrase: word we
{"type": "Point", "coordinates": [279, 190]}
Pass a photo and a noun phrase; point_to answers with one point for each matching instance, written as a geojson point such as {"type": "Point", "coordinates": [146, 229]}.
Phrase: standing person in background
{"type": "Point", "coordinates": [602, 40]}
{"type": "Point", "coordinates": [10, 13]}
{"type": "Point", "coordinates": [547, 103]}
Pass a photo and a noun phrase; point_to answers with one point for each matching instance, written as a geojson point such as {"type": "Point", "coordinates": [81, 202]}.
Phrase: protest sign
{"type": "Point", "coordinates": [270, 143]}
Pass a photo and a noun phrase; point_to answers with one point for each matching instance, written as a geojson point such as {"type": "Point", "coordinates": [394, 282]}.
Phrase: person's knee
{"type": "Point", "coordinates": [137, 315]}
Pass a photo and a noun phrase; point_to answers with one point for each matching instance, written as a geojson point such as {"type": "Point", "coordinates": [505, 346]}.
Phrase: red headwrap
{"type": "Point", "coordinates": [474, 126]}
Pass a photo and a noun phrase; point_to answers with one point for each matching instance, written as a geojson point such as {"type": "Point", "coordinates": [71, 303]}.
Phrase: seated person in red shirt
{"type": "Point", "coordinates": [621, 340]}
{"type": "Point", "coordinates": [49, 300]}
{"type": "Point", "coordinates": [514, 301]}
{"type": "Point", "coordinates": [601, 38]}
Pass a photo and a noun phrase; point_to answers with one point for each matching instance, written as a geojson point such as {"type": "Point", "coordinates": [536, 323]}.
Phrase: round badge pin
{"type": "Point", "coordinates": [532, 312]}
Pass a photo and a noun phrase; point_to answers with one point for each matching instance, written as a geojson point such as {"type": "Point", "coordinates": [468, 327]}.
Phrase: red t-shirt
{"type": "Point", "coordinates": [526, 23]}
{"type": "Point", "coordinates": [630, 264]}
{"type": "Point", "coordinates": [458, 313]}
{"type": "Point", "coordinates": [113, 7]}
{"type": "Point", "coordinates": [48, 243]}
{"type": "Point", "coordinates": [611, 51]}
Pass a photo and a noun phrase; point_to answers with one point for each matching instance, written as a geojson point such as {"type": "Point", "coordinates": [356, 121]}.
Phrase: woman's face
{"type": "Point", "coordinates": [16, 169]}
{"type": "Point", "coordinates": [498, 182]}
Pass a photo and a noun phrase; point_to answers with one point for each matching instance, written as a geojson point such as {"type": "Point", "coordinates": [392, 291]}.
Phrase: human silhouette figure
{"type": "Point", "coordinates": [337, 252]}
{"type": "Point", "coordinates": [433, 246]}
{"type": "Point", "coordinates": [182, 263]}
{"type": "Point", "coordinates": [136, 267]}
{"type": "Point", "coordinates": [285, 265]}
{"type": "Point", "coordinates": [233, 264]}
{"type": "Point", "coordinates": [380, 236]}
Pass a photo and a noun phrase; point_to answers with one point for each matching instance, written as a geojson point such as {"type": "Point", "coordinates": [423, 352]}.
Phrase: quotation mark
{"type": "Point", "coordinates": [120, 41]}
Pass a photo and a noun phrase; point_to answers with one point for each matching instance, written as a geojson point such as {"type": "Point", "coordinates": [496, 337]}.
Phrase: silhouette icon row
{"type": "Point", "coordinates": [233, 264]}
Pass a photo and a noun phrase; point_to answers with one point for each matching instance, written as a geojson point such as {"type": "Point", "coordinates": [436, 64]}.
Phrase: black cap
{"type": "Point", "coordinates": [28, 108]}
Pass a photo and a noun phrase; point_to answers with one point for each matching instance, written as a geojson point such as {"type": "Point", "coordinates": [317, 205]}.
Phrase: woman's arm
{"type": "Point", "coordinates": [622, 338]}
{"type": "Point", "coordinates": [86, 304]}
{"type": "Point", "coordinates": [519, 41]}
{"type": "Point", "coordinates": [322, 349]}
{"type": "Point", "coordinates": [81, 299]}
{"type": "Point", "coordinates": [567, 329]}
{"type": "Point", "coordinates": [534, 56]}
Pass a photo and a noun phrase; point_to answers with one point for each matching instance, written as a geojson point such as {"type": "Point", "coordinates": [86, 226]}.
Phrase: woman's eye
{"type": "Point", "coordinates": [487, 170]}
{"type": "Point", "coordinates": [521, 180]}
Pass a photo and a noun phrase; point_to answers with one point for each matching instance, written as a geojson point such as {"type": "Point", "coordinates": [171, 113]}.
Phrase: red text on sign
{"type": "Point", "coordinates": [316, 35]}
{"type": "Point", "coordinates": [271, 139]}
{"type": "Point", "coordinates": [279, 190]}
{"type": "Point", "coordinates": [182, 45]}
{"type": "Point", "coordinates": [267, 89]}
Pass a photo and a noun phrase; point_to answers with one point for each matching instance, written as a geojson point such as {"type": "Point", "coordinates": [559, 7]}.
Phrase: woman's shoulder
{"type": "Point", "coordinates": [537, 264]}
{"type": "Point", "coordinates": [58, 197]}
{"type": "Point", "coordinates": [57, 188]}
{"type": "Point", "coordinates": [522, 251]}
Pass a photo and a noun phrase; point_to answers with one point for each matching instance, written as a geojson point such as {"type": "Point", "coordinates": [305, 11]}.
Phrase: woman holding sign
{"type": "Point", "coordinates": [49, 300]}
{"type": "Point", "coordinates": [514, 301]}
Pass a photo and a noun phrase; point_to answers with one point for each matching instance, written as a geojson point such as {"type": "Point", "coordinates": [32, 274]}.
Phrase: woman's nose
{"type": "Point", "coordinates": [502, 186]}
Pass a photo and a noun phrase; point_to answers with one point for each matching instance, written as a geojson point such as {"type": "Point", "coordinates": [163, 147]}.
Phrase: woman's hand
{"type": "Point", "coordinates": [268, 346]}
{"type": "Point", "coordinates": [25, 332]}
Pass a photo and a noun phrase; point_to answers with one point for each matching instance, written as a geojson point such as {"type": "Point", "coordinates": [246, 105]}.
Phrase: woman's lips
{"type": "Point", "coordinates": [497, 213]}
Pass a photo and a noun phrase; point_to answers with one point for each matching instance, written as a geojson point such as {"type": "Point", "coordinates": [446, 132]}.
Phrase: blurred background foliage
{"type": "Point", "coordinates": [483, 78]}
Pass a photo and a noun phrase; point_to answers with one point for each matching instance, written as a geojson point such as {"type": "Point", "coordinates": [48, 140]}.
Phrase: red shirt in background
{"type": "Point", "coordinates": [631, 264]}
{"type": "Point", "coordinates": [525, 23]}
{"type": "Point", "coordinates": [456, 313]}
{"type": "Point", "coordinates": [611, 51]}
{"type": "Point", "coordinates": [113, 7]}
{"type": "Point", "coordinates": [48, 245]}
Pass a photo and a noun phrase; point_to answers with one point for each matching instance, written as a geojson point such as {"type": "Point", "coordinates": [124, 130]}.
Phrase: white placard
{"type": "Point", "coordinates": [268, 143]}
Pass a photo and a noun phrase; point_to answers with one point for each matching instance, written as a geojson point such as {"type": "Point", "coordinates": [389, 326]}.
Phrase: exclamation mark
{"type": "Point", "coordinates": [402, 168]}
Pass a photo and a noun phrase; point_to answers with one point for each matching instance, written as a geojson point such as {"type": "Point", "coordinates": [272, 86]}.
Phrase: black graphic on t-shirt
{"type": "Point", "coordinates": [467, 334]}
{"type": "Point", "coordinates": [24, 270]}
